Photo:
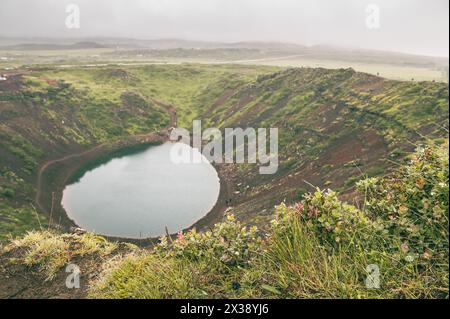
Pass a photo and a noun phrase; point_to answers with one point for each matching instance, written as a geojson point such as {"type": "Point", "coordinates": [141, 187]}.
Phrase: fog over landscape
{"type": "Point", "coordinates": [410, 26]}
{"type": "Point", "coordinates": [241, 150]}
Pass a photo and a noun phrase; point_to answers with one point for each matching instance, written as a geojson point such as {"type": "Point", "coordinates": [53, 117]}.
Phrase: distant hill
{"type": "Point", "coordinates": [53, 46]}
{"type": "Point", "coordinates": [318, 51]}
{"type": "Point", "coordinates": [392, 65]}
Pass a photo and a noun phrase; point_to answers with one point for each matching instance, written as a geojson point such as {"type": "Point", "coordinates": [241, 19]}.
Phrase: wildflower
{"type": "Point", "coordinates": [230, 217]}
{"type": "Point", "coordinates": [180, 236]}
{"type": "Point", "coordinates": [299, 207]}
{"type": "Point", "coordinates": [402, 210]}
{"type": "Point", "coordinates": [404, 247]}
{"type": "Point", "coordinates": [427, 255]}
{"type": "Point", "coordinates": [420, 183]}
{"type": "Point", "coordinates": [163, 243]}
{"type": "Point", "coordinates": [314, 212]}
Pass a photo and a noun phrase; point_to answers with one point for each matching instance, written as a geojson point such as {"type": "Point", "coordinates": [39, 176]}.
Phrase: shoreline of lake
{"type": "Point", "coordinates": [60, 174]}
{"type": "Point", "coordinates": [141, 192]}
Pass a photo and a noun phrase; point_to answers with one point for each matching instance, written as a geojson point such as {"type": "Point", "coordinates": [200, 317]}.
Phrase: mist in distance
{"type": "Point", "coordinates": [410, 26]}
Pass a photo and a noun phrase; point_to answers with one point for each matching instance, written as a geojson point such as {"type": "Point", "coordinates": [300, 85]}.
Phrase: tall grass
{"type": "Point", "coordinates": [319, 248]}
{"type": "Point", "coordinates": [396, 247]}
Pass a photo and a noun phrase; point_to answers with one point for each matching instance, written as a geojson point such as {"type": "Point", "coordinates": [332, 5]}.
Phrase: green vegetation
{"type": "Point", "coordinates": [17, 221]}
{"type": "Point", "coordinates": [317, 248]}
{"type": "Point", "coordinates": [332, 123]}
{"type": "Point", "coordinates": [392, 66]}
{"type": "Point", "coordinates": [52, 112]}
{"type": "Point", "coordinates": [51, 252]}
{"type": "Point", "coordinates": [335, 125]}
{"type": "Point", "coordinates": [190, 88]}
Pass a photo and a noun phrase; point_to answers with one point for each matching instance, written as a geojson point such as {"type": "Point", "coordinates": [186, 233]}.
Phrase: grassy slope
{"type": "Point", "coordinates": [188, 87]}
{"type": "Point", "coordinates": [49, 112]}
{"type": "Point", "coordinates": [318, 248]}
{"type": "Point", "coordinates": [341, 121]}
{"type": "Point", "coordinates": [335, 125]}
{"type": "Point", "coordinates": [42, 121]}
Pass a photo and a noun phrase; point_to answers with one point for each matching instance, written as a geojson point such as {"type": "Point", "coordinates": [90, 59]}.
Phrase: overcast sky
{"type": "Point", "coordinates": [413, 26]}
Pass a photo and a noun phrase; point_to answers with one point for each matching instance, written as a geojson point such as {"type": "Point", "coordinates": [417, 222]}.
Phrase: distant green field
{"type": "Point", "coordinates": [394, 72]}
{"type": "Point", "coordinates": [393, 67]}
